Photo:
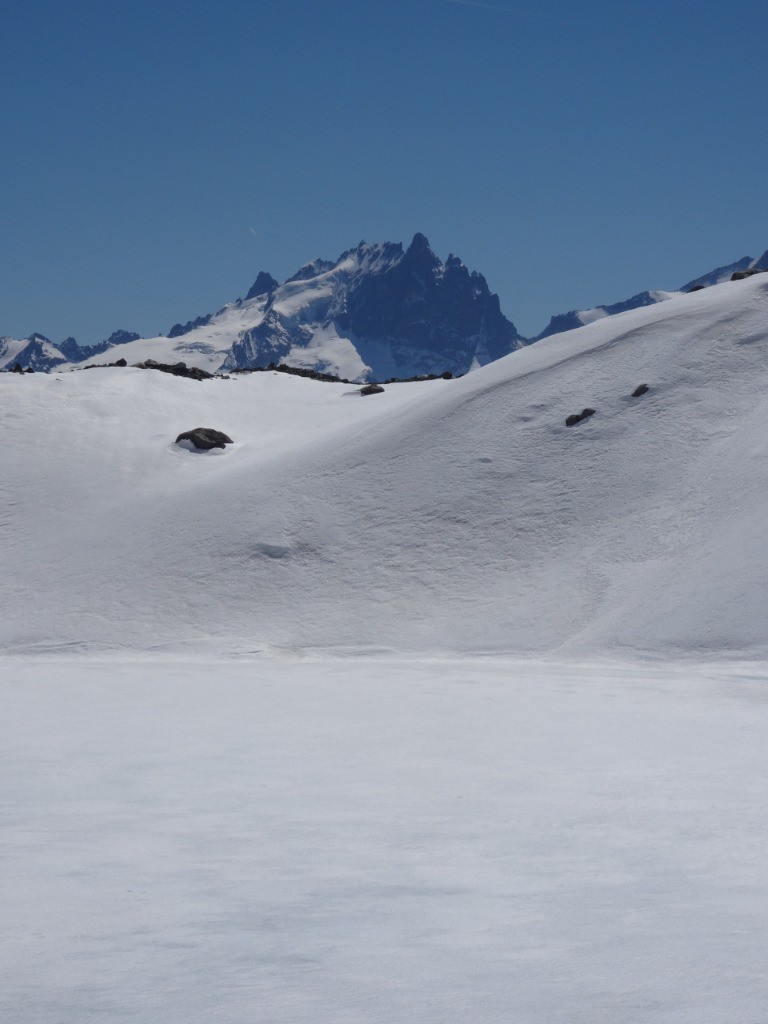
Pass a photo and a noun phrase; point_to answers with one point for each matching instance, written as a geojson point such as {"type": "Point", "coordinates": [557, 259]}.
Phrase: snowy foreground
{"type": "Point", "coordinates": [323, 842]}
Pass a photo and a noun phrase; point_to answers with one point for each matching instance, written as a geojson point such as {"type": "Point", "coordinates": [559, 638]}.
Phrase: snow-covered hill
{"type": "Point", "coordinates": [448, 515]}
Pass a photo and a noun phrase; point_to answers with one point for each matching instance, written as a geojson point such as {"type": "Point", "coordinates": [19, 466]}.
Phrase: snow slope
{"type": "Point", "coordinates": [444, 516]}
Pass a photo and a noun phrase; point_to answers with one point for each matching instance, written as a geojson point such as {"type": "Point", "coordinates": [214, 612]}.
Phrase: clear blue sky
{"type": "Point", "coordinates": [156, 156]}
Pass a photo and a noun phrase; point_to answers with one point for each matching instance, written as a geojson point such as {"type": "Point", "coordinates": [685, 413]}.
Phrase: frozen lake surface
{"type": "Point", "coordinates": [362, 840]}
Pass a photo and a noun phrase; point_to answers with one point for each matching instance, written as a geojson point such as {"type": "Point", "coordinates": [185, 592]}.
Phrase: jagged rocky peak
{"type": "Point", "coordinates": [420, 243]}
{"type": "Point", "coordinates": [122, 337]}
{"type": "Point", "coordinates": [312, 269]}
{"type": "Point", "coordinates": [179, 330]}
{"type": "Point", "coordinates": [419, 255]}
{"type": "Point", "coordinates": [263, 285]}
{"type": "Point", "coordinates": [70, 349]}
{"type": "Point", "coordinates": [380, 311]}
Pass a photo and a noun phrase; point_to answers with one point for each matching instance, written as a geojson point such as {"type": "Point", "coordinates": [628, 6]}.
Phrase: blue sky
{"type": "Point", "coordinates": [156, 156]}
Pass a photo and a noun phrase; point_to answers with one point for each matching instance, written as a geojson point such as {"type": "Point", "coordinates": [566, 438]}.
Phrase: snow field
{"type": "Point", "coordinates": [205, 817]}
{"type": "Point", "coordinates": [328, 842]}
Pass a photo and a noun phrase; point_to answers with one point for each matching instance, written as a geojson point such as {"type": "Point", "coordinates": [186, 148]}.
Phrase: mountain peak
{"type": "Point", "coordinates": [263, 285]}
{"type": "Point", "coordinates": [420, 243]}
{"type": "Point", "coordinates": [379, 312]}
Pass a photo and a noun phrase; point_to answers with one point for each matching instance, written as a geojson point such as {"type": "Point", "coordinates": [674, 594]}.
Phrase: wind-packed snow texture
{"type": "Point", "coordinates": [367, 841]}
{"type": "Point", "coordinates": [439, 516]}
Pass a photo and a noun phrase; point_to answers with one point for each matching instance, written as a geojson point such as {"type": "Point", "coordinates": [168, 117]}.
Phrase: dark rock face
{"type": "Point", "coordinates": [70, 350]}
{"type": "Point", "coordinates": [404, 313]}
{"type": "Point", "coordinates": [420, 305]}
{"type": "Point", "coordinates": [205, 438]}
{"type": "Point", "coordinates": [263, 285]}
{"type": "Point", "coordinates": [640, 390]}
{"type": "Point", "coordinates": [372, 389]}
{"type": "Point", "coordinates": [270, 342]}
{"type": "Point", "coordinates": [178, 330]}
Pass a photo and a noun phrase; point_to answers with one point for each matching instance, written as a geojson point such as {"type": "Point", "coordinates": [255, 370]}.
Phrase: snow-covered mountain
{"type": "Point", "coordinates": [40, 353]}
{"type": "Point", "coordinates": [579, 317]}
{"type": "Point", "coordinates": [444, 515]}
{"type": "Point", "coordinates": [379, 311]}
{"type": "Point", "coordinates": [721, 274]}
{"type": "Point", "coordinates": [35, 352]}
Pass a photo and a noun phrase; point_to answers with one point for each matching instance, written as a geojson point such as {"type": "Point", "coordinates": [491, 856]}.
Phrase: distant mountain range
{"type": "Point", "coordinates": [580, 317]}
{"type": "Point", "coordinates": [379, 311]}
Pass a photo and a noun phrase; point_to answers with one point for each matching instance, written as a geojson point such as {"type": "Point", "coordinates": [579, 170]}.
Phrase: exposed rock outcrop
{"type": "Point", "coordinates": [205, 438]}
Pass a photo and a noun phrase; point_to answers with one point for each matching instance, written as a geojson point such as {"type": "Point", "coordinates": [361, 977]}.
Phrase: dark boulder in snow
{"type": "Point", "coordinates": [741, 274]}
{"type": "Point", "coordinates": [205, 438]}
{"type": "Point", "coordinates": [577, 417]}
{"type": "Point", "coordinates": [641, 389]}
{"type": "Point", "coordinates": [372, 389]}
{"type": "Point", "coordinates": [177, 369]}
